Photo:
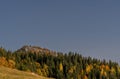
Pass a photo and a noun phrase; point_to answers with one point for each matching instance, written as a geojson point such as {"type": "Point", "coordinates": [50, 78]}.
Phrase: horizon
{"type": "Point", "coordinates": [88, 27]}
{"type": "Point", "coordinates": [101, 59]}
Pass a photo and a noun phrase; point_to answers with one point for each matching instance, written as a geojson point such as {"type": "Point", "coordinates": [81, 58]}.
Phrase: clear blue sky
{"type": "Point", "coordinates": [90, 27]}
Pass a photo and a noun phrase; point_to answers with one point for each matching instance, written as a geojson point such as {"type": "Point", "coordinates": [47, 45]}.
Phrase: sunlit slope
{"type": "Point", "coordinates": [7, 73]}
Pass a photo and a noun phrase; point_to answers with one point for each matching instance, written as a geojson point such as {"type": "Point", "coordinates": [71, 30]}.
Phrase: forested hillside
{"type": "Point", "coordinates": [47, 63]}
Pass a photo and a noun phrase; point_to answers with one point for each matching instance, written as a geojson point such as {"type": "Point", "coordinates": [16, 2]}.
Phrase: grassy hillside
{"type": "Point", "coordinates": [7, 73]}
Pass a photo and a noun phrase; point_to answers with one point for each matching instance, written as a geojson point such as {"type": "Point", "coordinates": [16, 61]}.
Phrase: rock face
{"type": "Point", "coordinates": [36, 49]}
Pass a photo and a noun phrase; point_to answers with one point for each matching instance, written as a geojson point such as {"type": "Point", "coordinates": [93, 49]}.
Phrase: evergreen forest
{"type": "Point", "coordinates": [59, 65]}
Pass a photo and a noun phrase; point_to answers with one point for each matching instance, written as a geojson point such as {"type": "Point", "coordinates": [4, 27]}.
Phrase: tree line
{"type": "Point", "coordinates": [62, 66]}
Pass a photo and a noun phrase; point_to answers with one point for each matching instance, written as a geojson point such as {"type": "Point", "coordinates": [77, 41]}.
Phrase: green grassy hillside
{"type": "Point", "coordinates": [7, 73]}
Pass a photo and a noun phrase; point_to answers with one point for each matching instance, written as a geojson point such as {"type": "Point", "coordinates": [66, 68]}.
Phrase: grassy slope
{"type": "Point", "coordinates": [7, 73]}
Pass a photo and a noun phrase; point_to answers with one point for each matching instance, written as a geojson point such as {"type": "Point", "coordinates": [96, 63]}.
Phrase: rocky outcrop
{"type": "Point", "coordinates": [36, 49]}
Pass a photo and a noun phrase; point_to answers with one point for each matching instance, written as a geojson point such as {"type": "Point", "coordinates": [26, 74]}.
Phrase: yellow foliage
{"type": "Point", "coordinates": [113, 70]}
{"type": "Point", "coordinates": [39, 72]}
{"type": "Point", "coordinates": [79, 76]}
{"type": "Point", "coordinates": [102, 72]}
{"type": "Point", "coordinates": [37, 64]}
{"type": "Point", "coordinates": [45, 66]}
{"type": "Point", "coordinates": [61, 67]}
{"type": "Point", "coordinates": [94, 64]}
{"type": "Point", "coordinates": [70, 70]}
{"type": "Point", "coordinates": [88, 68]}
{"type": "Point", "coordinates": [118, 69]}
{"type": "Point", "coordinates": [105, 74]}
{"type": "Point", "coordinates": [11, 64]}
{"type": "Point", "coordinates": [102, 66]}
{"type": "Point", "coordinates": [45, 70]}
{"type": "Point", "coordinates": [107, 68]}
{"type": "Point", "coordinates": [44, 73]}
{"type": "Point", "coordinates": [3, 61]}
{"type": "Point", "coordinates": [85, 77]}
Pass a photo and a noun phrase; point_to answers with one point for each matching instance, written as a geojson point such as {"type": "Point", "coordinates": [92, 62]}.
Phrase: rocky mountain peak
{"type": "Point", "coordinates": [36, 49]}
